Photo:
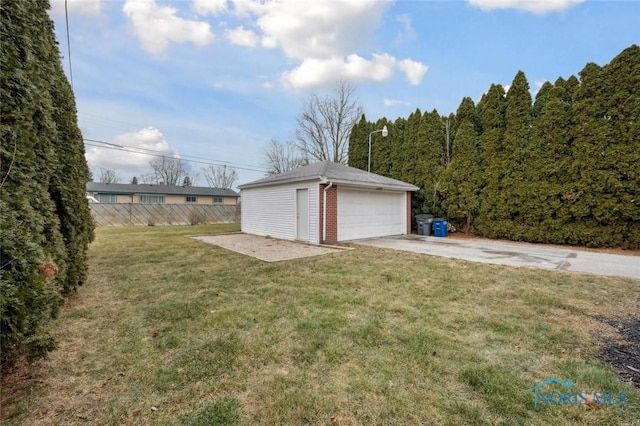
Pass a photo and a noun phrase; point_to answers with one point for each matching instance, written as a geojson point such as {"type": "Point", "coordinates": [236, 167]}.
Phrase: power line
{"type": "Point", "coordinates": [185, 156]}
{"type": "Point", "coordinates": [66, 15]}
{"type": "Point", "coordinates": [162, 155]}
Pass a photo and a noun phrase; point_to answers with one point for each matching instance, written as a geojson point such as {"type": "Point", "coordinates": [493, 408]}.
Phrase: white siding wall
{"type": "Point", "coordinates": [271, 210]}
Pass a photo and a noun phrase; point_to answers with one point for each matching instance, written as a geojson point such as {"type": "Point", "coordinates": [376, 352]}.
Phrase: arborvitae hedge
{"type": "Point", "coordinates": [561, 169]}
{"type": "Point", "coordinates": [44, 215]}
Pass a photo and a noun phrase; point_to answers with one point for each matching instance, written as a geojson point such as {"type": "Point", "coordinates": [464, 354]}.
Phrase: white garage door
{"type": "Point", "coordinates": [365, 214]}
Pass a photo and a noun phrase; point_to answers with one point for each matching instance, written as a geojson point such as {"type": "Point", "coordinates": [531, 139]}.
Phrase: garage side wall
{"type": "Point", "coordinates": [272, 211]}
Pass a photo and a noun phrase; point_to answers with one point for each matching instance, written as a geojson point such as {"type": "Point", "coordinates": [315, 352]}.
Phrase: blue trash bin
{"type": "Point", "coordinates": [440, 227]}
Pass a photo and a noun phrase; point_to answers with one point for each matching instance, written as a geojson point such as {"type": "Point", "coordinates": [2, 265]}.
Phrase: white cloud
{"type": "Point", "coordinates": [157, 25]}
{"type": "Point", "coordinates": [317, 72]}
{"type": "Point", "coordinates": [242, 37]}
{"type": "Point", "coordinates": [535, 6]}
{"type": "Point", "coordinates": [267, 85]}
{"type": "Point", "coordinates": [129, 163]}
{"type": "Point", "coordinates": [320, 72]}
{"type": "Point", "coordinates": [248, 7]}
{"type": "Point", "coordinates": [408, 33]}
{"type": "Point", "coordinates": [323, 36]}
{"type": "Point", "coordinates": [392, 102]}
{"type": "Point", "coordinates": [268, 42]}
{"type": "Point", "coordinates": [320, 29]}
{"type": "Point", "coordinates": [90, 8]}
{"type": "Point", "coordinates": [413, 70]}
{"type": "Point", "coordinates": [210, 7]}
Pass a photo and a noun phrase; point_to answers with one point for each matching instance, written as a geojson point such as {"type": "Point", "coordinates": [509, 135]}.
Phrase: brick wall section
{"type": "Point", "coordinates": [408, 212]}
{"type": "Point", "coordinates": [332, 214]}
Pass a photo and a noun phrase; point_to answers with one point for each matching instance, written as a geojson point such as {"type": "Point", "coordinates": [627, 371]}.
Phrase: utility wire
{"type": "Point", "coordinates": [160, 155]}
{"type": "Point", "coordinates": [164, 154]}
{"type": "Point", "coordinates": [66, 15]}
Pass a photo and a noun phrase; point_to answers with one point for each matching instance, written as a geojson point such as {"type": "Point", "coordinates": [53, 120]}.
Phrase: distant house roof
{"type": "Point", "coordinates": [126, 188]}
{"type": "Point", "coordinates": [328, 171]}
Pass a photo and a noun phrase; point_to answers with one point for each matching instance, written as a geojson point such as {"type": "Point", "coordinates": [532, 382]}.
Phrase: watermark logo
{"type": "Point", "coordinates": [568, 395]}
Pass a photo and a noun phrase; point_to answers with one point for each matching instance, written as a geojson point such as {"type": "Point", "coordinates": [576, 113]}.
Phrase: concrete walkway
{"type": "Point", "coordinates": [514, 254]}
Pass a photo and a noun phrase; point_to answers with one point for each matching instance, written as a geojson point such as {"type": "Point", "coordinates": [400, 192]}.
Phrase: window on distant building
{"type": "Point", "coordinates": [217, 200]}
{"type": "Point", "coordinates": [190, 199]}
{"type": "Point", "coordinates": [106, 198]}
{"type": "Point", "coordinates": [151, 199]}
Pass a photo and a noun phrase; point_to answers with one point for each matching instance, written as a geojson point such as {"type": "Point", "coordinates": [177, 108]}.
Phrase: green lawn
{"type": "Point", "coordinates": [170, 330]}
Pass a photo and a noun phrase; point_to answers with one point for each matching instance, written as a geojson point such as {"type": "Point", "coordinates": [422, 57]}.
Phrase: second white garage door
{"type": "Point", "coordinates": [366, 214]}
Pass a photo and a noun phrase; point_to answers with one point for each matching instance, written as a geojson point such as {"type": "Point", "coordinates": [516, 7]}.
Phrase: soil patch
{"type": "Point", "coordinates": [623, 354]}
{"type": "Point", "coordinates": [267, 248]}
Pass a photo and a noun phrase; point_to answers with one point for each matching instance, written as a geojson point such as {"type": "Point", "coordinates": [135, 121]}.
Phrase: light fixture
{"type": "Point", "coordinates": [384, 132]}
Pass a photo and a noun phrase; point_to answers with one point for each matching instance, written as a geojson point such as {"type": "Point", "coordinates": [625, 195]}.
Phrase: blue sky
{"type": "Point", "coordinates": [219, 79]}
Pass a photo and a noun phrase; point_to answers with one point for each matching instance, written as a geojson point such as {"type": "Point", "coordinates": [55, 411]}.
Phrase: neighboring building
{"type": "Point", "coordinates": [112, 193]}
{"type": "Point", "coordinates": [356, 204]}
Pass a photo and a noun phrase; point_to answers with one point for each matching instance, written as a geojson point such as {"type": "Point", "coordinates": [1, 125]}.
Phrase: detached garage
{"type": "Point", "coordinates": [326, 202]}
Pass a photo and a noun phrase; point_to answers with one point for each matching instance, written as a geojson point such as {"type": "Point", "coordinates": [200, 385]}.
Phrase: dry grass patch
{"type": "Point", "coordinates": [174, 331]}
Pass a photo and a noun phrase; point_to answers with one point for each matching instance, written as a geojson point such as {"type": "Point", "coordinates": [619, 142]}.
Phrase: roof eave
{"type": "Point", "coordinates": [372, 185]}
{"type": "Point", "coordinates": [280, 182]}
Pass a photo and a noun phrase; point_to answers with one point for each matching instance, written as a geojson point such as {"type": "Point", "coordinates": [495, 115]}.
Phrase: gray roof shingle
{"type": "Point", "coordinates": [332, 172]}
{"type": "Point", "coordinates": [125, 188]}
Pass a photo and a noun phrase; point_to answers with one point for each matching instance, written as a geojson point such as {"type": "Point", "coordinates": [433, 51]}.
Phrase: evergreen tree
{"type": "Point", "coordinates": [43, 211]}
{"type": "Point", "coordinates": [491, 110]}
{"type": "Point", "coordinates": [381, 149]}
{"type": "Point", "coordinates": [606, 153]}
{"type": "Point", "coordinates": [431, 137]}
{"type": "Point", "coordinates": [396, 142]}
{"type": "Point", "coordinates": [541, 98]}
{"type": "Point", "coordinates": [545, 210]}
{"type": "Point", "coordinates": [462, 179]}
{"type": "Point", "coordinates": [410, 146]}
{"type": "Point", "coordinates": [516, 187]}
{"type": "Point", "coordinates": [359, 144]}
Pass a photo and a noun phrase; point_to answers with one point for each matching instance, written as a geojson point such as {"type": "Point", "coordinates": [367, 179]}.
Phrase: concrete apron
{"type": "Point", "coordinates": [533, 255]}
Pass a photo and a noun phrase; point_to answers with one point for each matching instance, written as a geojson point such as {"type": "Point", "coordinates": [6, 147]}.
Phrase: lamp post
{"type": "Point", "coordinates": [385, 132]}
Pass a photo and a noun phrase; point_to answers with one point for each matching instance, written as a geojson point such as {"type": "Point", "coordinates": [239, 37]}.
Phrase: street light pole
{"type": "Point", "coordinates": [385, 132]}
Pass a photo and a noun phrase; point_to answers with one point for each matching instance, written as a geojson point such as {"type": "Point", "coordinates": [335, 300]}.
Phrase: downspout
{"type": "Point", "coordinates": [324, 212]}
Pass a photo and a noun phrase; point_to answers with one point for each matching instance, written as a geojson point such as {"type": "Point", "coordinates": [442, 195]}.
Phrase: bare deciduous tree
{"type": "Point", "coordinates": [325, 123]}
{"type": "Point", "coordinates": [281, 157]}
{"type": "Point", "coordinates": [108, 176]}
{"type": "Point", "coordinates": [168, 170]}
{"type": "Point", "coordinates": [220, 176]}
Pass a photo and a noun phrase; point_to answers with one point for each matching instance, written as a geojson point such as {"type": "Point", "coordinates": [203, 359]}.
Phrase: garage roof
{"type": "Point", "coordinates": [328, 171]}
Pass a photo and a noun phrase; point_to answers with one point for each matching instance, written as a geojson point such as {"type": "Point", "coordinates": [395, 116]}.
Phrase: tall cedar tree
{"type": "Point", "coordinates": [606, 153]}
{"type": "Point", "coordinates": [44, 214]}
{"type": "Point", "coordinates": [381, 149]}
{"type": "Point", "coordinates": [563, 170]}
{"type": "Point", "coordinates": [396, 141]}
{"type": "Point", "coordinates": [359, 144]}
{"type": "Point", "coordinates": [545, 211]}
{"type": "Point", "coordinates": [517, 188]}
{"type": "Point", "coordinates": [431, 136]}
{"type": "Point", "coordinates": [461, 180]}
{"type": "Point", "coordinates": [491, 110]}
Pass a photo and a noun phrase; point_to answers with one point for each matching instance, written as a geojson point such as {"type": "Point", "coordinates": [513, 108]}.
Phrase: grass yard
{"type": "Point", "coordinates": [170, 330]}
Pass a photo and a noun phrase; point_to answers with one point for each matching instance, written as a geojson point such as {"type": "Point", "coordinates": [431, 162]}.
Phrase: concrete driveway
{"type": "Point", "coordinates": [514, 254]}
